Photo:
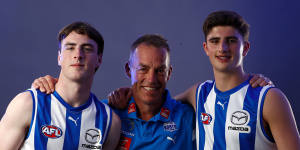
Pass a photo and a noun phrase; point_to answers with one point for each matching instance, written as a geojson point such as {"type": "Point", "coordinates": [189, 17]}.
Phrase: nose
{"type": "Point", "coordinates": [152, 76]}
{"type": "Point", "coordinates": [78, 53]}
{"type": "Point", "coordinates": [223, 46]}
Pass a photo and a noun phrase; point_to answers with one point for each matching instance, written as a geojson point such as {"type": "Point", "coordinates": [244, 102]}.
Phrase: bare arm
{"type": "Point", "coordinates": [16, 121]}
{"type": "Point", "coordinates": [114, 133]}
{"type": "Point", "coordinates": [277, 113]}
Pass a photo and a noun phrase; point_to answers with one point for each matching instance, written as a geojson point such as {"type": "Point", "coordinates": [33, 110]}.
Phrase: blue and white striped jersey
{"type": "Point", "coordinates": [58, 126]}
{"type": "Point", "coordinates": [231, 120]}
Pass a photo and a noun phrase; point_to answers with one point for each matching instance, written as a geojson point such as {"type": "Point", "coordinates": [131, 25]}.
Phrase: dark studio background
{"type": "Point", "coordinates": [29, 46]}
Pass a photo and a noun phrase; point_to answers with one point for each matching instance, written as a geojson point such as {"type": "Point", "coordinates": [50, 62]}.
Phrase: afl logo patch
{"type": "Point", "coordinates": [206, 118]}
{"type": "Point", "coordinates": [51, 131]}
{"type": "Point", "coordinates": [93, 136]}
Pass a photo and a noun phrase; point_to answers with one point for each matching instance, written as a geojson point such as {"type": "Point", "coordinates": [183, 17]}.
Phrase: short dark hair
{"type": "Point", "coordinates": [226, 18]}
{"type": "Point", "coordinates": [84, 29]}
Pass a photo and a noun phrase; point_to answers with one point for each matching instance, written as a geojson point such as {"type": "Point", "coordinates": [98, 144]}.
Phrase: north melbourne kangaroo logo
{"type": "Point", "coordinates": [72, 119]}
{"type": "Point", "coordinates": [222, 105]}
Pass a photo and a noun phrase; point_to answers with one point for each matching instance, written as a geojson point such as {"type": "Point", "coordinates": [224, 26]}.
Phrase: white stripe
{"type": "Point", "coordinates": [209, 107]}
{"type": "Point", "coordinates": [197, 113]}
{"type": "Point", "coordinates": [236, 102]}
{"type": "Point", "coordinates": [29, 143]}
{"type": "Point", "coordinates": [197, 124]}
{"type": "Point", "coordinates": [58, 118]}
{"type": "Point", "coordinates": [88, 117]}
{"type": "Point", "coordinates": [108, 120]}
{"type": "Point", "coordinates": [261, 142]}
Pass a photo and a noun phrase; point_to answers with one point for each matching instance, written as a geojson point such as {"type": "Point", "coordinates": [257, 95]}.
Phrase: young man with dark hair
{"type": "Point", "coordinates": [72, 117]}
{"type": "Point", "coordinates": [230, 114]}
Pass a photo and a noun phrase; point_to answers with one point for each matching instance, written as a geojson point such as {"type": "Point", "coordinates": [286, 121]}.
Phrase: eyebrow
{"type": "Point", "coordinates": [213, 38]}
{"type": "Point", "coordinates": [74, 44]}
{"type": "Point", "coordinates": [87, 44]}
{"type": "Point", "coordinates": [69, 44]}
{"type": "Point", "coordinates": [231, 37]}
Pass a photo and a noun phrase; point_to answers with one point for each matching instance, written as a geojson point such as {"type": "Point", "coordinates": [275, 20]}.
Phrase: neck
{"type": "Point", "coordinates": [74, 93]}
{"type": "Point", "coordinates": [147, 111]}
{"type": "Point", "coordinates": [228, 80]}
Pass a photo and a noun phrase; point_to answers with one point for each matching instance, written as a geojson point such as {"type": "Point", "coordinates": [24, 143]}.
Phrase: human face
{"type": "Point", "coordinates": [226, 48]}
{"type": "Point", "coordinates": [149, 70]}
{"type": "Point", "coordinates": [78, 57]}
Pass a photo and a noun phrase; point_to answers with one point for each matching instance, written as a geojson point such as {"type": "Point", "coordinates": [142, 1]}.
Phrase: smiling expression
{"type": "Point", "coordinates": [149, 70]}
{"type": "Point", "coordinates": [225, 48]}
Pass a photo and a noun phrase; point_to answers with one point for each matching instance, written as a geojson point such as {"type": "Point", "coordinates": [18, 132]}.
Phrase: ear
{"type": "Point", "coordinates": [59, 58]}
{"type": "Point", "coordinates": [99, 60]}
{"type": "Point", "coordinates": [127, 69]}
{"type": "Point", "coordinates": [205, 48]}
{"type": "Point", "coordinates": [169, 73]}
{"type": "Point", "coordinates": [246, 48]}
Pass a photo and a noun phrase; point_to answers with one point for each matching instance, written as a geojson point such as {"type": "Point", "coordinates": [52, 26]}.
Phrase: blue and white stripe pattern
{"type": "Point", "coordinates": [231, 120]}
{"type": "Point", "coordinates": [57, 125]}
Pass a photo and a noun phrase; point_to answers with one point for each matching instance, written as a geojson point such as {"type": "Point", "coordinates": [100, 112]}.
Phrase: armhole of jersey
{"type": "Point", "coordinates": [109, 121]}
{"type": "Point", "coordinates": [271, 139]}
{"type": "Point", "coordinates": [33, 112]}
{"type": "Point", "coordinates": [197, 96]}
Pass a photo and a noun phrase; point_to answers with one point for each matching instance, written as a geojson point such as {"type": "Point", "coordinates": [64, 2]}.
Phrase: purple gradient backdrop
{"type": "Point", "coordinates": [29, 47]}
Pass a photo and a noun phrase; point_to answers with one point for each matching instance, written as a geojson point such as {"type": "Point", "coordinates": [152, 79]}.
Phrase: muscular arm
{"type": "Point", "coordinates": [16, 121]}
{"type": "Point", "coordinates": [188, 96]}
{"type": "Point", "coordinates": [114, 133]}
{"type": "Point", "coordinates": [278, 115]}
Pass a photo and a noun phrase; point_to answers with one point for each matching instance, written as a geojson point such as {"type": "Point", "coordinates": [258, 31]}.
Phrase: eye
{"type": "Point", "coordinates": [232, 40]}
{"type": "Point", "coordinates": [142, 69]}
{"type": "Point", "coordinates": [162, 71]}
{"type": "Point", "coordinates": [87, 48]}
{"type": "Point", "coordinates": [214, 40]}
{"type": "Point", "coordinates": [69, 47]}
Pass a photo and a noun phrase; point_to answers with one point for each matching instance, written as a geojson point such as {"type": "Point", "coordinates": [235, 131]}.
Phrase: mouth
{"type": "Point", "coordinates": [77, 65]}
{"type": "Point", "coordinates": [150, 88]}
{"type": "Point", "coordinates": [223, 58]}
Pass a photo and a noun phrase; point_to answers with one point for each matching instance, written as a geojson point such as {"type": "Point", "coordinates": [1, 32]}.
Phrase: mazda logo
{"type": "Point", "coordinates": [93, 136]}
{"type": "Point", "coordinates": [240, 117]}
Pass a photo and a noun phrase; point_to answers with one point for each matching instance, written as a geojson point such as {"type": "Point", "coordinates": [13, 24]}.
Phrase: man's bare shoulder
{"type": "Point", "coordinates": [278, 114]}
{"type": "Point", "coordinates": [21, 106]}
{"type": "Point", "coordinates": [16, 121]}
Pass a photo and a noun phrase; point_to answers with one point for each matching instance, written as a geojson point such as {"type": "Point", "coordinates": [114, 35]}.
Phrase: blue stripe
{"type": "Point", "coordinates": [247, 140]}
{"type": "Point", "coordinates": [72, 132]}
{"type": "Point", "coordinates": [205, 89]}
{"type": "Point", "coordinates": [43, 118]}
{"type": "Point", "coordinates": [33, 113]}
{"type": "Point", "coordinates": [219, 125]}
